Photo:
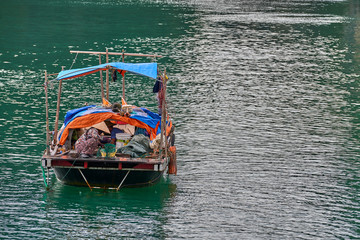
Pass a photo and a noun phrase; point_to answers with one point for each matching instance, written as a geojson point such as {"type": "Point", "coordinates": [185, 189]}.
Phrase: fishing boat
{"type": "Point", "coordinates": [143, 150]}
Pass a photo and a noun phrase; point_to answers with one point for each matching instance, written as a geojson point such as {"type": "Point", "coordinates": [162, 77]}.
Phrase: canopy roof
{"type": "Point", "coordinates": [145, 69]}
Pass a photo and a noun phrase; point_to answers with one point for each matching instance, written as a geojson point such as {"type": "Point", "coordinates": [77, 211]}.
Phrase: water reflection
{"type": "Point", "coordinates": [108, 211]}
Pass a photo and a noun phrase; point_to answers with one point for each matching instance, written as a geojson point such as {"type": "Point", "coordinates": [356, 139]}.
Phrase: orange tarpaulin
{"type": "Point", "coordinates": [91, 119]}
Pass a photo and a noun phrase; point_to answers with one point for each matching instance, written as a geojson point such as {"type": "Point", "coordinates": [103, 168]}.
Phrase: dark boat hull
{"type": "Point", "coordinates": [106, 178]}
{"type": "Point", "coordinates": [115, 172]}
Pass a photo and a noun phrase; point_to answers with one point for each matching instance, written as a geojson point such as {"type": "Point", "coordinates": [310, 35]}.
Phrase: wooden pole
{"type": "Point", "coordinates": [117, 189]}
{"type": "Point", "coordinates": [119, 54]}
{"type": "Point", "coordinates": [47, 177]}
{"type": "Point", "coordinates": [165, 113]}
{"type": "Point", "coordinates": [47, 114]}
{"type": "Point", "coordinates": [123, 79]}
{"type": "Point", "coordinates": [107, 76]}
{"type": "Point", "coordinates": [163, 119]}
{"type": "Point", "coordinates": [57, 111]}
{"type": "Point", "coordinates": [85, 179]}
{"type": "Point", "coordinates": [101, 80]}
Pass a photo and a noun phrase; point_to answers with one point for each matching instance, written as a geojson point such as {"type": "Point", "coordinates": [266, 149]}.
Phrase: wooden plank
{"type": "Point", "coordinates": [154, 160]}
{"type": "Point", "coordinates": [119, 54]}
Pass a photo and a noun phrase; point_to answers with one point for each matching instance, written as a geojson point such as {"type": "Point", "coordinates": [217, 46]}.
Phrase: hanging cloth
{"type": "Point", "coordinates": [158, 85]}
{"type": "Point", "coordinates": [114, 76]}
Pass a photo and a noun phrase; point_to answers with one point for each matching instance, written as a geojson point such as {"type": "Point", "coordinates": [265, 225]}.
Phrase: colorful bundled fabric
{"type": "Point", "coordinates": [88, 142]}
{"type": "Point", "coordinates": [90, 115]}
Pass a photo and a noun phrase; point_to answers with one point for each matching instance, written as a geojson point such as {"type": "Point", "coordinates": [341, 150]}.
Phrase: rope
{"type": "Point", "coordinates": [74, 60]}
{"type": "Point", "coordinates": [68, 170]}
{"type": "Point", "coordinates": [43, 172]}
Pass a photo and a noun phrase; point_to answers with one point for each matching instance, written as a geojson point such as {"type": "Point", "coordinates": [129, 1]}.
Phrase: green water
{"type": "Point", "coordinates": [264, 96]}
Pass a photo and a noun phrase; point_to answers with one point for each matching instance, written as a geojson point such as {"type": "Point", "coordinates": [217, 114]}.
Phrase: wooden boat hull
{"type": "Point", "coordinates": [106, 178]}
{"type": "Point", "coordinates": [106, 172]}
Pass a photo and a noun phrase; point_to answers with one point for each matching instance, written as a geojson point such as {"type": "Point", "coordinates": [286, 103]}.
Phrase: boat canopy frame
{"type": "Point", "coordinates": [144, 69]}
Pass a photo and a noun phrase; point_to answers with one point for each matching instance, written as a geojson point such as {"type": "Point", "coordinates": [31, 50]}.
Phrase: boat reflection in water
{"type": "Point", "coordinates": [107, 211]}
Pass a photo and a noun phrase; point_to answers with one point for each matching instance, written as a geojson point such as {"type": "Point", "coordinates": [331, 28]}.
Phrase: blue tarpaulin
{"type": "Point", "coordinates": [141, 114]}
{"type": "Point", "coordinates": [71, 113]}
{"type": "Point", "coordinates": [145, 69]}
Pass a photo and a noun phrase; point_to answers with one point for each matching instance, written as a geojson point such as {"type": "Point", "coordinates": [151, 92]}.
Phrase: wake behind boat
{"type": "Point", "coordinates": [110, 145]}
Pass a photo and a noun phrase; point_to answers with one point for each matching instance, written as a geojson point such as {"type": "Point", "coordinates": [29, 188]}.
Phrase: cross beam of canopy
{"type": "Point", "coordinates": [119, 54]}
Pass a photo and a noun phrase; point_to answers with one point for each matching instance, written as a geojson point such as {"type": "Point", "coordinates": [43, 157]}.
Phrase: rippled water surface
{"type": "Point", "coordinates": [264, 95]}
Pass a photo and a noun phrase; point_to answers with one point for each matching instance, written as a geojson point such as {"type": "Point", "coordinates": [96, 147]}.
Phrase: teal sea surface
{"type": "Point", "coordinates": [264, 96]}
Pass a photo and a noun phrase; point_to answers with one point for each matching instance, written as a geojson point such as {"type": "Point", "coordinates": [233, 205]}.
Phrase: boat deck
{"type": "Point", "coordinates": [119, 162]}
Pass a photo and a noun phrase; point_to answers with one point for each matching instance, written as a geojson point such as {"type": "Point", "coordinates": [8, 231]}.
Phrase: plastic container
{"type": "Point", "coordinates": [122, 139]}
